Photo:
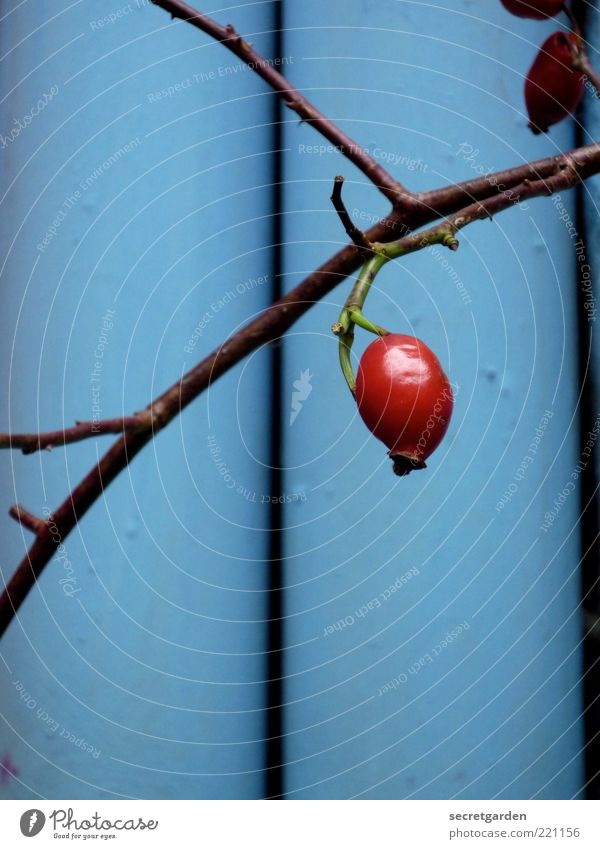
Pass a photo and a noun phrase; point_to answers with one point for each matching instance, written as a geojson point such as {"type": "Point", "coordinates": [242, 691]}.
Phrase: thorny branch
{"type": "Point", "coordinates": [454, 207]}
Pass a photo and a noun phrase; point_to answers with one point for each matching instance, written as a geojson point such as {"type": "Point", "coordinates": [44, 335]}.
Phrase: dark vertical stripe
{"type": "Point", "coordinates": [274, 753]}
{"type": "Point", "coordinates": [590, 566]}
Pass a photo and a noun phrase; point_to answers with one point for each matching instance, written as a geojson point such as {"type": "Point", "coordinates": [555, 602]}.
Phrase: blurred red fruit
{"type": "Point", "coordinates": [552, 88]}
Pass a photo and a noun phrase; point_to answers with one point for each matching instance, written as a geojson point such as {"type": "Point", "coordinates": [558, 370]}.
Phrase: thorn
{"type": "Point", "coordinates": [26, 519]}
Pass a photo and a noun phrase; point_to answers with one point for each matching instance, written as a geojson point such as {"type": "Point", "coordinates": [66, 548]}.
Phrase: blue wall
{"type": "Point", "coordinates": [156, 657]}
{"type": "Point", "coordinates": [155, 653]}
{"type": "Point", "coordinates": [495, 712]}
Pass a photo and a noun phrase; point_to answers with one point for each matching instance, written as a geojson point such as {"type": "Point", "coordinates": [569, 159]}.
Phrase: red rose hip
{"type": "Point", "coordinates": [538, 9]}
{"type": "Point", "coordinates": [404, 398]}
{"type": "Point", "coordinates": [552, 88]}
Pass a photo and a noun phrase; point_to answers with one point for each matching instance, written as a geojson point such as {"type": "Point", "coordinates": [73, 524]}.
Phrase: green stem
{"type": "Point", "coordinates": [352, 313]}
{"type": "Point", "coordinates": [344, 348]}
{"type": "Point", "coordinates": [353, 309]}
{"type": "Point", "coordinates": [360, 290]}
{"type": "Point", "coordinates": [362, 321]}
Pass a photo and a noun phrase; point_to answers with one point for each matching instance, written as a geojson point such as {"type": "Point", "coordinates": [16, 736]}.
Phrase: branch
{"type": "Point", "coordinates": [356, 235]}
{"type": "Point", "coordinates": [449, 199]}
{"type": "Point", "coordinates": [394, 191]}
{"type": "Point", "coordinates": [564, 177]}
{"type": "Point", "coordinates": [445, 233]}
{"type": "Point", "coordinates": [31, 442]}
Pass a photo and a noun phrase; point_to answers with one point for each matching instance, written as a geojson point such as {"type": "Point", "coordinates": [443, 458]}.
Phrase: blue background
{"type": "Point", "coordinates": [156, 659]}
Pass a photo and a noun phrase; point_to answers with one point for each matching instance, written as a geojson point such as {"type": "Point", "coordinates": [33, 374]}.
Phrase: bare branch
{"type": "Point", "coordinates": [449, 199]}
{"type": "Point", "coordinates": [394, 191]}
{"type": "Point", "coordinates": [31, 442]}
{"type": "Point", "coordinates": [445, 232]}
{"type": "Point", "coordinates": [357, 236]}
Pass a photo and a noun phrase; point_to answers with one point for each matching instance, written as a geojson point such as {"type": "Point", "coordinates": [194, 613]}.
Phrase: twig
{"type": "Point", "coordinates": [356, 235]}
{"type": "Point", "coordinates": [27, 519]}
{"type": "Point", "coordinates": [566, 8]}
{"type": "Point", "coordinates": [31, 442]}
{"type": "Point", "coordinates": [393, 190]}
{"type": "Point", "coordinates": [581, 59]}
{"type": "Point", "coordinates": [584, 64]}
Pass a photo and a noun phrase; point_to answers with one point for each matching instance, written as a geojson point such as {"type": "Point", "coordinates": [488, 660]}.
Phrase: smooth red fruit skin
{"type": "Point", "coordinates": [404, 398]}
{"type": "Point", "coordinates": [538, 9]}
{"type": "Point", "coordinates": [552, 88]}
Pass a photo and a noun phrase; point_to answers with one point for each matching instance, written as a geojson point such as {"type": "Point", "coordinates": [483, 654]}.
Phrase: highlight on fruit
{"type": "Point", "coordinates": [404, 398]}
